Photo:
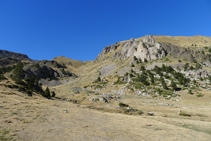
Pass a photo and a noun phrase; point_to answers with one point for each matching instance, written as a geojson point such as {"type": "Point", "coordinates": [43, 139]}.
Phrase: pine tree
{"type": "Point", "coordinates": [142, 68]}
{"type": "Point", "coordinates": [162, 80]}
{"type": "Point", "coordinates": [152, 79]}
{"type": "Point", "coordinates": [47, 93]}
{"type": "Point", "coordinates": [98, 79]}
{"type": "Point", "coordinates": [173, 85]}
{"type": "Point", "coordinates": [186, 66]}
{"type": "Point", "coordinates": [132, 65]}
{"type": "Point", "coordinates": [163, 67]}
{"type": "Point", "coordinates": [164, 86]}
{"type": "Point", "coordinates": [180, 80]}
{"type": "Point", "coordinates": [209, 78]}
{"type": "Point", "coordinates": [184, 82]}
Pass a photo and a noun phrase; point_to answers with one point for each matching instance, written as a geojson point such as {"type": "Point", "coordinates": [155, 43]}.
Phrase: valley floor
{"type": "Point", "coordinates": [36, 118]}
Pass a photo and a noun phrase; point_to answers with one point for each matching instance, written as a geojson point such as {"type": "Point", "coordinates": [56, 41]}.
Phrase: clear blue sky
{"type": "Point", "coordinates": [80, 29]}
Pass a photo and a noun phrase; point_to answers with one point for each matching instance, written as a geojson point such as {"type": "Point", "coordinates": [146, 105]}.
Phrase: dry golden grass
{"type": "Point", "coordinates": [37, 118]}
{"type": "Point", "coordinates": [71, 62]}
{"type": "Point", "coordinates": [183, 41]}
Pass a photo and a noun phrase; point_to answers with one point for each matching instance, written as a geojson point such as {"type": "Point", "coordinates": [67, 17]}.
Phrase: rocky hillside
{"type": "Point", "coordinates": [8, 61]}
{"type": "Point", "coordinates": [13, 55]}
{"type": "Point", "coordinates": [147, 49]}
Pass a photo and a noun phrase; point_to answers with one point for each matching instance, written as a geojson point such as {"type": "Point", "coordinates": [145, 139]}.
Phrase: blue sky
{"type": "Point", "coordinates": [80, 29]}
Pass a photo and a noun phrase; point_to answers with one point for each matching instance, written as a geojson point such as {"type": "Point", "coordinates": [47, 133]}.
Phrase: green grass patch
{"type": "Point", "coordinates": [185, 114]}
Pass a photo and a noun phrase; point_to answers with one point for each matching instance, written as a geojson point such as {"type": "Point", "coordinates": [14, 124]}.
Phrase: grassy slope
{"type": "Point", "coordinates": [36, 118]}
{"type": "Point", "coordinates": [183, 41]}
{"type": "Point", "coordinates": [71, 62]}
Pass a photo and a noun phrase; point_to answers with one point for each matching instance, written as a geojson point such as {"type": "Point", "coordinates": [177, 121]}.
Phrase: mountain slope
{"type": "Point", "coordinates": [13, 55]}
{"type": "Point", "coordinates": [70, 62]}
{"type": "Point", "coordinates": [184, 41]}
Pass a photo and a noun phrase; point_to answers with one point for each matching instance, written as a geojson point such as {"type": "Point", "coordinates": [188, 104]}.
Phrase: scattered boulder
{"type": "Point", "coordinates": [150, 113]}
{"type": "Point", "coordinates": [163, 104]}
{"type": "Point", "coordinates": [99, 98]}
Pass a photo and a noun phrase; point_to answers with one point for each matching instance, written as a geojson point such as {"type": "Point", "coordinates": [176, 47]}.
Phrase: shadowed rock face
{"type": "Point", "coordinates": [44, 69]}
{"type": "Point", "coordinates": [47, 72]}
{"type": "Point", "coordinates": [8, 61]}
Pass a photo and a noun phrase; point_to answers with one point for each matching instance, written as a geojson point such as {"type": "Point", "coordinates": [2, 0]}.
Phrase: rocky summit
{"type": "Point", "coordinates": [149, 88]}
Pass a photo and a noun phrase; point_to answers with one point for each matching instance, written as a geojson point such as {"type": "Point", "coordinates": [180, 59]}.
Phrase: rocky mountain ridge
{"type": "Point", "coordinates": [13, 55]}
{"type": "Point", "coordinates": [148, 49]}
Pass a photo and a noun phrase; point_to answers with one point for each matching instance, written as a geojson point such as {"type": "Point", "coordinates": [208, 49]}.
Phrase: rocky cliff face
{"type": "Point", "coordinates": [149, 49]}
{"type": "Point", "coordinates": [107, 49]}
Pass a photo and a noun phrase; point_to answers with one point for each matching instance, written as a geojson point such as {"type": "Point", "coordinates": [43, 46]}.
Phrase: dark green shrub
{"type": "Point", "coordinates": [194, 61]}
{"type": "Point", "coordinates": [29, 92]}
{"type": "Point", "coordinates": [173, 85]}
{"type": "Point", "coordinates": [135, 58]}
{"type": "Point", "coordinates": [47, 93]}
{"type": "Point", "coordinates": [123, 105]}
{"type": "Point", "coordinates": [2, 77]}
{"type": "Point", "coordinates": [145, 60]}
{"type": "Point", "coordinates": [199, 95]}
{"type": "Point", "coordinates": [140, 61]}
{"type": "Point", "coordinates": [142, 68]}
{"type": "Point", "coordinates": [198, 66]}
{"type": "Point", "coordinates": [98, 79]}
{"type": "Point", "coordinates": [191, 68]}
{"type": "Point", "coordinates": [132, 65]}
{"type": "Point", "coordinates": [144, 45]}
{"type": "Point", "coordinates": [186, 66]}
{"type": "Point", "coordinates": [37, 66]}
{"type": "Point", "coordinates": [18, 71]}
{"type": "Point", "coordinates": [21, 89]}
{"type": "Point", "coordinates": [164, 86]}
{"type": "Point", "coordinates": [53, 94]}
{"type": "Point", "coordinates": [184, 114]}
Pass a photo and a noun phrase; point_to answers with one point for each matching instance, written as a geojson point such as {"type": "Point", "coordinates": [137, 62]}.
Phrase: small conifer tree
{"type": "Point", "coordinates": [47, 93]}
